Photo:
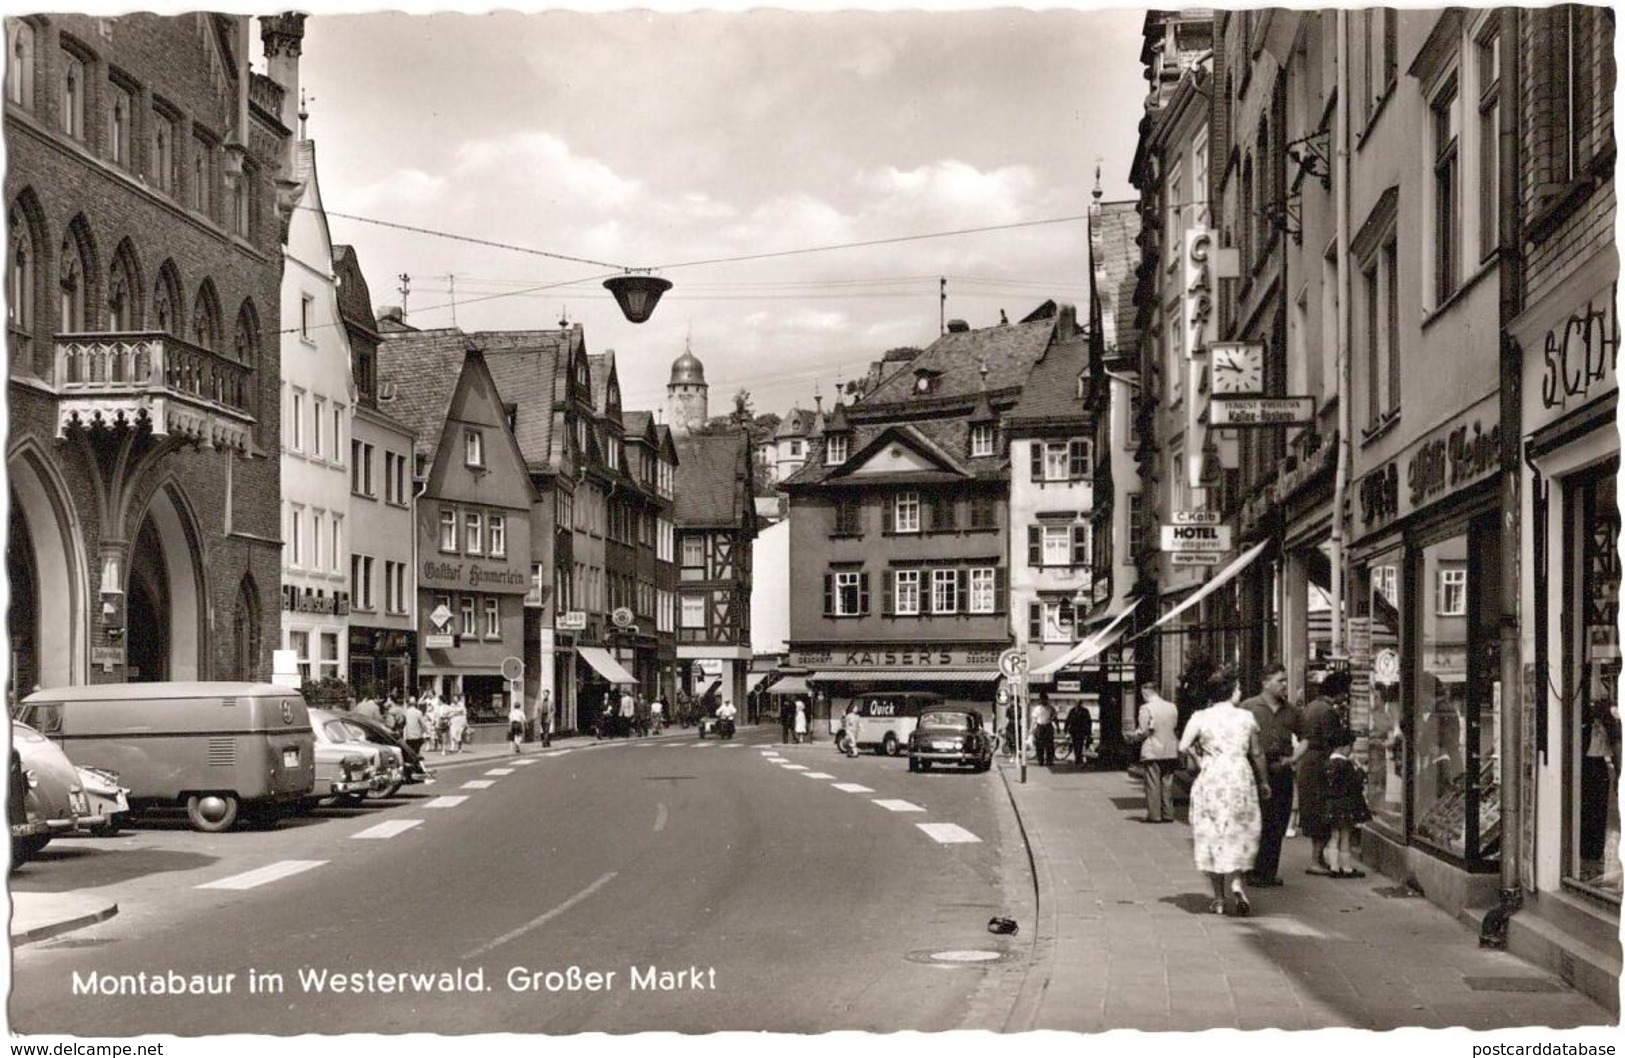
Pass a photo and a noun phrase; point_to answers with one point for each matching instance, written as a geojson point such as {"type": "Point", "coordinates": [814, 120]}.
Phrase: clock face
{"type": "Point", "coordinates": [1238, 368]}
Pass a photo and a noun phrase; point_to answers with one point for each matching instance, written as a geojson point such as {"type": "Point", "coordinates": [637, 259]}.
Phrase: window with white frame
{"type": "Point", "coordinates": [983, 591]}
{"type": "Point", "coordinates": [473, 448]}
{"type": "Point", "coordinates": [945, 591]}
{"type": "Point", "coordinates": [693, 615]}
{"type": "Point", "coordinates": [466, 611]}
{"type": "Point", "coordinates": [982, 440]}
{"type": "Point", "coordinates": [296, 416]}
{"type": "Point", "coordinates": [1173, 211]}
{"type": "Point", "coordinates": [493, 618]}
{"type": "Point", "coordinates": [1444, 122]}
{"type": "Point", "coordinates": [835, 449]}
{"type": "Point", "coordinates": [296, 535]}
{"type": "Point", "coordinates": [1385, 582]}
{"type": "Point", "coordinates": [318, 529]}
{"type": "Point", "coordinates": [907, 512]}
{"type": "Point", "coordinates": [847, 594]}
{"type": "Point", "coordinates": [336, 551]}
{"type": "Point", "coordinates": [1199, 178]}
{"type": "Point", "coordinates": [319, 407]}
{"type": "Point", "coordinates": [1057, 541]}
{"type": "Point", "coordinates": [907, 589]}
{"type": "Point", "coordinates": [496, 536]}
{"type": "Point", "coordinates": [1058, 621]}
{"type": "Point", "coordinates": [694, 554]}
{"type": "Point", "coordinates": [1057, 466]}
{"type": "Point", "coordinates": [330, 656]}
{"type": "Point", "coordinates": [448, 529]}
{"type": "Point", "coordinates": [473, 533]}
{"type": "Point", "coordinates": [1452, 592]}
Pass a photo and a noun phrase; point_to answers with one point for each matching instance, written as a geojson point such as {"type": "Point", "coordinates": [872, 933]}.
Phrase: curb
{"type": "Point", "coordinates": [1035, 982]}
{"type": "Point", "coordinates": [47, 930]}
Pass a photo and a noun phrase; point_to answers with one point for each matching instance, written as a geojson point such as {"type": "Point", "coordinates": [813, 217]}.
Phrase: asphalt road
{"type": "Point", "coordinates": [722, 889]}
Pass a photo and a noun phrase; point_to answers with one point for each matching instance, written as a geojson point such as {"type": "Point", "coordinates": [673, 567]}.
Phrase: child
{"type": "Point", "coordinates": [1345, 807]}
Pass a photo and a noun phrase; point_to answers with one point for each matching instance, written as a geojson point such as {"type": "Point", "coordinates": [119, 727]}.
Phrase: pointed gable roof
{"type": "Point", "coordinates": [1051, 395]}
{"type": "Point", "coordinates": [900, 453]}
{"type": "Point", "coordinates": [713, 483]}
{"type": "Point", "coordinates": [476, 403]}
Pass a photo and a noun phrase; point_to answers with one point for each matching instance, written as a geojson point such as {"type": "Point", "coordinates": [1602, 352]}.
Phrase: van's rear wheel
{"type": "Point", "coordinates": [890, 746]}
{"type": "Point", "coordinates": [212, 812]}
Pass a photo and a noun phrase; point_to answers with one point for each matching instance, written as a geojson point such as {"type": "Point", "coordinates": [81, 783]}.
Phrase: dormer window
{"type": "Point", "coordinates": [835, 450]}
{"type": "Point", "coordinates": [982, 437]}
{"type": "Point", "coordinates": [473, 448]}
{"type": "Point", "coordinates": [924, 382]}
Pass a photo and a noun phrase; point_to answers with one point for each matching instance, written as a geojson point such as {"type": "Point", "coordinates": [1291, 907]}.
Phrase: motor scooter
{"type": "Point", "coordinates": [725, 727]}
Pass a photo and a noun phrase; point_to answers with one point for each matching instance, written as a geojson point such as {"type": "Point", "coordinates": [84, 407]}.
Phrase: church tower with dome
{"type": "Point", "coordinates": [687, 394]}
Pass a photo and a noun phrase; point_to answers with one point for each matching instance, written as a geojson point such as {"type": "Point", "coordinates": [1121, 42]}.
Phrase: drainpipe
{"type": "Point", "coordinates": [417, 496]}
{"type": "Point", "coordinates": [1345, 396]}
{"type": "Point", "coordinates": [1493, 932]}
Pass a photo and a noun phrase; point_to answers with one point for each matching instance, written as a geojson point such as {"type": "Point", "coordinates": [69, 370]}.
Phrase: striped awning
{"type": "Point", "coordinates": [906, 676]}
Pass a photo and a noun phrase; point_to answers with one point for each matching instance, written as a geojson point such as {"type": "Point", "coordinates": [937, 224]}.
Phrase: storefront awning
{"type": "Point", "coordinates": [1089, 648]}
{"type": "Point", "coordinates": [605, 664]}
{"type": "Point", "coordinates": [1230, 572]}
{"type": "Point", "coordinates": [754, 680]}
{"type": "Point", "coordinates": [905, 676]}
{"type": "Point", "coordinates": [790, 685]}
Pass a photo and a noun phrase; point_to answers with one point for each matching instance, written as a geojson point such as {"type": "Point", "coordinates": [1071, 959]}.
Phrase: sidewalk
{"type": "Point", "coordinates": [1125, 940]}
{"type": "Point", "coordinates": [39, 916]}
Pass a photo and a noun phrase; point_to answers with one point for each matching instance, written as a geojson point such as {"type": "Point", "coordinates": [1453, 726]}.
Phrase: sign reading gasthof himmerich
{"type": "Point", "coordinates": [1260, 411]}
{"type": "Point", "coordinates": [1206, 538]}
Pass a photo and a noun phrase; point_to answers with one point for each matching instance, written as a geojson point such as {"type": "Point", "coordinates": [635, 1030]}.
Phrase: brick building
{"type": "Point", "coordinates": [143, 308]}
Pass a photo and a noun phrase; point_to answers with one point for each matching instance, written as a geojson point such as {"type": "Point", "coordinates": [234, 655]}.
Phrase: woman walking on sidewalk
{"type": "Point", "coordinates": [1225, 818]}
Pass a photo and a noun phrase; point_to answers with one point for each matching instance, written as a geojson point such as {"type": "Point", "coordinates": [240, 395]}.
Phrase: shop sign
{"type": "Point", "coordinates": [1578, 355]}
{"type": "Point", "coordinates": [440, 615]}
{"type": "Point", "coordinates": [917, 657]}
{"type": "Point", "coordinates": [439, 641]}
{"type": "Point", "coordinates": [1068, 686]}
{"type": "Point", "coordinates": [1195, 558]}
{"type": "Point", "coordinates": [1261, 411]}
{"type": "Point", "coordinates": [573, 621]}
{"type": "Point", "coordinates": [1451, 458]}
{"type": "Point", "coordinates": [109, 658]}
{"type": "Point", "coordinates": [1207, 538]}
{"type": "Point", "coordinates": [1197, 517]}
{"type": "Point", "coordinates": [472, 576]}
{"type": "Point", "coordinates": [312, 601]}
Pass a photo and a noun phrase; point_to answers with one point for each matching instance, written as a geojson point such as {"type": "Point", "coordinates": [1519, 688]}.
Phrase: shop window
{"type": "Point", "coordinates": [330, 654]}
{"type": "Point", "coordinates": [1383, 705]}
{"type": "Point", "coordinates": [299, 643]}
{"type": "Point", "coordinates": [1592, 738]}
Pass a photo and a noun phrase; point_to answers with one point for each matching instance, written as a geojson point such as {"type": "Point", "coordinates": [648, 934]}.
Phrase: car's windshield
{"type": "Point", "coordinates": [948, 721]}
{"type": "Point", "coordinates": [358, 732]}
{"type": "Point", "coordinates": [44, 717]}
{"type": "Point", "coordinates": [337, 732]}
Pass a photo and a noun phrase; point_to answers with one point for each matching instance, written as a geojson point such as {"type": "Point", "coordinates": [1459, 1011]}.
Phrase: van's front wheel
{"type": "Point", "coordinates": [212, 812]}
{"type": "Point", "coordinates": [890, 746]}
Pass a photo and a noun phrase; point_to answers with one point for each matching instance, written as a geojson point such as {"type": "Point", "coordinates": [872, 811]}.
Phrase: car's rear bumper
{"type": "Point", "coordinates": [361, 786]}
{"type": "Point", "coordinates": [944, 757]}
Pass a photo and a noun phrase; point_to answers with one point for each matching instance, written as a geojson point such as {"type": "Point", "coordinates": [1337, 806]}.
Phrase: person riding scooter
{"type": "Point", "coordinates": [725, 720]}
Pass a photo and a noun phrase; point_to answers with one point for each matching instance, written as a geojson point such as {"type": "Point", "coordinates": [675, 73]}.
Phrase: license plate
{"type": "Point", "coordinates": [290, 758]}
{"type": "Point", "coordinates": [949, 746]}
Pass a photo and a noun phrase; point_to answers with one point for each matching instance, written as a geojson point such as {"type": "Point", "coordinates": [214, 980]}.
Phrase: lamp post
{"type": "Point", "coordinates": [637, 293]}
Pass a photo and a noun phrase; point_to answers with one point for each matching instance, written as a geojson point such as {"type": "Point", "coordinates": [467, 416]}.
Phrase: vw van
{"type": "Point", "coordinates": [215, 749]}
{"type": "Point", "coordinates": [887, 718]}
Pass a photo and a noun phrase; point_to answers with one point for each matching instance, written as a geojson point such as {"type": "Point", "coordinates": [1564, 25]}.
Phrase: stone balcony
{"type": "Point", "coordinates": [121, 380]}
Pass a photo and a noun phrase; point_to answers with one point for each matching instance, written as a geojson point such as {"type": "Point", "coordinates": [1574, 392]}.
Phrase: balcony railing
{"type": "Point", "coordinates": [115, 380]}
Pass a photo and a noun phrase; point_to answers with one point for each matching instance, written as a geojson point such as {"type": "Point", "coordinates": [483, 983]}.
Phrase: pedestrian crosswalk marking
{"type": "Point", "coordinates": [948, 833]}
{"type": "Point", "coordinates": [816, 775]}
{"type": "Point", "coordinates": [479, 784]}
{"type": "Point", "coordinates": [522, 763]}
{"type": "Point", "coordinates": [793, 767]}
{"type": "Point", "coordinates": [500, 771]}
{"type": "Point", "coordinates": [677, 745]}
{"type": "Point", "coordinates": [733, 745]}
{"type": "Point", "coordinates": [263, 875]}
{"type": "Point", "coordinates": [851, 787]}
{"type": "Point", "coordinates": [898, 806]}
{"type": "Point", "coordinates": [388, 829]}
{"type": "Point", "coordinates": [556, 753]}
{"type": "Point", "coordinates": [449, 801]}
{"type": "Point", "coordinates": [705, 745]}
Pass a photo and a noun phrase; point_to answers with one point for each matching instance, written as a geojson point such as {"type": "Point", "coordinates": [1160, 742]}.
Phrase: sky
{"type": "Point", "coordinates": [656, 140]}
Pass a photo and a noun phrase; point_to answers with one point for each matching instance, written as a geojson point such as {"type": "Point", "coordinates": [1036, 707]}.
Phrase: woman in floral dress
{"type": "Point", "coordinates": [1224, 810]}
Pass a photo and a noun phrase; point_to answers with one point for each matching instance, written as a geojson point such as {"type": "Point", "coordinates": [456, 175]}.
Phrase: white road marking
{"type": "Point", "coordinates": [793, 767]}
{"type": "Point", "coordinates": [556, 753]}
{"type": "Point", "coordinates": [525, 761]}
{"type": "Point", "coordinates": [733, 745]}
{"type": "Point", "coordinates": [898, 806]}
{"type": "Point", "coordinates": [816, 775]}
{"type": "Point", "coordinates": [705, 745]}
{"type": "Point", "coordinates": [262, 875]}
{"type": "Point", "coordinates": [851, 787]}
{"type": "Point", "coordinates": [479, 784]}
{"type": "Point", "coordinates": [388, 829]}
{"type": "Point", "coordinates": [500, 771]}
{"type": "Point", "coordinates": [948, 833]}
{"type": "Point", "coordinates": [676, 745]}
{"type": "Point", "coordinates": [542, 918]}
{"type": "Point", "coordinates": [449, 801]}
{"type": "Point", "coordinates": [660, 817]}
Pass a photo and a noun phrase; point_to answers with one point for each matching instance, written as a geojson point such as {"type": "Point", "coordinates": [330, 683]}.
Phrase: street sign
{"type": "Point", "coordinates": [512, 669]}
{"type": "Point", "coordinates": [572, 621]}
{"type": "Point", "coordinates": [439, 641]}
{"type": "Point", "coordinates": [1196, 538]}
{"type": "Point", "coordinates": [1197, 517]}
{"type": "Point", "coordinates": [622, 617]}
{"type": "Point", "coordinates": [440, 615]}
{"type": "Point", "coordinates": [1013, 663]}
{"type": "Point", "coordinates": [1261, 411]}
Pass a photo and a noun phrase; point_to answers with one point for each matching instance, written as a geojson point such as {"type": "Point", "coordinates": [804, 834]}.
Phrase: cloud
{"type": "Point", "coordinates": [401, 188]}
{"type": "Point", "coordinates": [545, 163]}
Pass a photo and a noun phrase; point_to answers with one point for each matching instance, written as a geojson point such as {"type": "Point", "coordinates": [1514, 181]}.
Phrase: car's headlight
{"type": "Point", "coordinates": [33, 780]}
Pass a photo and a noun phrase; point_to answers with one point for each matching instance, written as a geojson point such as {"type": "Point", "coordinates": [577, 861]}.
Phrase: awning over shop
{"type": "Point", "coordinates": [905, 676]}
{"type": "Point", "coordinates": [790, 685]}
{"type": "Point", "coordinates": [605, 664]}
{"type": "Point", "coordinates": [1089, 648]}
{"type": "Point", "coordinates": [1229, 574]}
{"type": "Point", "coordinates": [754, 680]}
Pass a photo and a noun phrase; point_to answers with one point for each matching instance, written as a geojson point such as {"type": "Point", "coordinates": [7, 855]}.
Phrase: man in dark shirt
{"type": "Point", "coordinates": [1278, 722]}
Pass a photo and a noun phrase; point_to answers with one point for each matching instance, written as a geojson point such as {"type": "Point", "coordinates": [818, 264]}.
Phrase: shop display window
{"type": "Point", "coordinates": [1377, 628]}
{"type": "Point", "coordinates": [1456, 802]}
{"type": "Point", "coordinates": [1592, 738]}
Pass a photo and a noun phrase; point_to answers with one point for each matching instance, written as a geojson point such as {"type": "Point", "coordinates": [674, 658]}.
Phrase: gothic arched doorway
{"type": "Point", "coordinates": [22, 617]}
{"type": "Point", "coordinates": [147, 613]}
{"type": "Point", "coordinates": [166, 581]}
{"type": "Point", "coordinates": [46, 619]}
{"type": "Point", "coordinates": [245, 633]}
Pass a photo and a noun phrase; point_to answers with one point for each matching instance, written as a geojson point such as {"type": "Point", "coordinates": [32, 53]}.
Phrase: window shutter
{"type": "Point", "coordinates": [949, 513]}
{"type": "Point", "coordinates": [962, 590]}
{"type": "Point", "coordinates": [1035, 622]}
{"type": "Point", "coordinates": [1080, 545]}
{"type": "Point", "coordinates": [1035, 546]}
{"type": "Point", "coordinates": [888, 509]}
{"type": "Point", "coordinates": [863, 593]}
{"type": "Point", "coordinates": [1001, 588]}
{"type": "Point", "coordinates": [1036, 450]}
{"type": "Point", "coordinates": [829, 595]}
{"type": "Point", "coordinates": [887, 604]}
{"type": "Point", "coordinates": [1078, 460]}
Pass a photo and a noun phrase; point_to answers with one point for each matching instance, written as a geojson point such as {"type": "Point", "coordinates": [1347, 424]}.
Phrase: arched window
{"type": "Point", "coordinates": [71, 282]}
{"type": "Point", "coordinates": [245, 633]}
{"type": "Point", "coordinates": [245, 345]}
{"type": "Point", "coordinates": [20, 63]}
{"type": "Point", "coordinates": [72, 111]}
{"type": "Point", "coordinates": [166, 300]}
{"type": "Point", "coordinates": [22, 266]}
{"type": "Point", "coordinates": [206, 317]}
{"type": "Point", "coordinates": [123, 291]}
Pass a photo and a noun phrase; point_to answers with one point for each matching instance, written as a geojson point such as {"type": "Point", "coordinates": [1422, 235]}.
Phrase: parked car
{"type": "Point", "coordinates": [380, 735]}
{"type": "Point", "coordinates": [950, 735]}
{"type": "Point", "coordinates": [55, 802]}
{"type": "Point", "coordinates": [887, 718]}
{"type": "Point", "coordinates": [109, 802]}
{"type": "Point", "coordinates": [346, 767]}
{"type": "Point", "coordinates": [23, 823]}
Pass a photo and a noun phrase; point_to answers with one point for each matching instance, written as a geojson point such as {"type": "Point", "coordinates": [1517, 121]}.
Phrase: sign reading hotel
{"type": "Point", "coordinates": [1212, 539]}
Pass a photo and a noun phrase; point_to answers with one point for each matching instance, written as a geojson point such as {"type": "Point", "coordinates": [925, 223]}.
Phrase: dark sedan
{"type": "Point", "coordinates": [950, 735]}
{"type": "Point", "coordinates": [380, 735]}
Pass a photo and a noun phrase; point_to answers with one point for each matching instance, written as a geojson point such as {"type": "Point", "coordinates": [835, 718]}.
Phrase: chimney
{"type": "Point", "coordinates": [1066, 322]}
{"type": "Point", "coordinates": [284, 38]}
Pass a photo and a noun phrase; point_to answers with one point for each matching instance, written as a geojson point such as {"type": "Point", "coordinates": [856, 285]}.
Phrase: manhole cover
{"type": "Point", "coordinates": [1512, 984]}
{"type": "Point", "coordinates": [960, 957]}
